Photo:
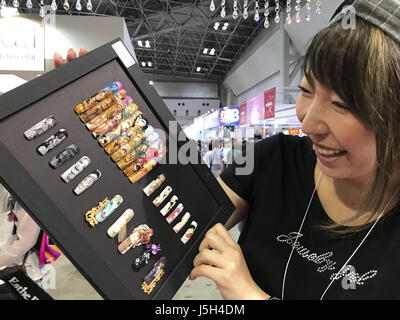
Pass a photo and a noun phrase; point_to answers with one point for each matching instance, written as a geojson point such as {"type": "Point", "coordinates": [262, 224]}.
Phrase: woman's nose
{"type": "Point", "coordinates": [313, 119]}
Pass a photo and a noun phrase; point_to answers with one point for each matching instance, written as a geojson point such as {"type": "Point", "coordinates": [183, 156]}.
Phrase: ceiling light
{"type": "Point", "coordinates": [198, 69]}
{"type": "Point", "coordinates": [224, 28]}
{"type": "Point", "coordinates": [212, 51]}
{"type": "Point", "coordinates": [140, 43]}
{"type": "Point", "coordinates": [205, 50]}
{"type": "Point", "coordinates": [149, 64]}
{"type": "Point", "coordinates": [151, 82]}
{"type": "Point", "coordinates": [147, 44]}
{"type": "Point", "coordinates": [143, 64]}
{"type": "Point", "coordinates": [226, 24]}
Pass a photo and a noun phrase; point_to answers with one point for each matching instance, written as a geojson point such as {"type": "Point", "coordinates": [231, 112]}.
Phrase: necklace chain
{"type": "Point", "coordinates": [351, 256]}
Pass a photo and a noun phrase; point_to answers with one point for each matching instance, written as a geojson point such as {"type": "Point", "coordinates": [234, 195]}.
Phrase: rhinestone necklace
{"type": "Point", "coordinates": [351, 256]}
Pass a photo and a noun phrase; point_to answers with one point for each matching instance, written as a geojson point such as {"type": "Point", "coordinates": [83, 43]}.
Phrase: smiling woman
{"type": "Point", "coordinates": [323, 211]}
{"type": "Point", "coordinates": [359, 79]}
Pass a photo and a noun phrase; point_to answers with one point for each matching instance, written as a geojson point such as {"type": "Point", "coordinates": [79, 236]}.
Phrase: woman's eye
{"type": "Point", "coordinates": [305, 91]}
{"type": "Point", "coordinates": [341, 106]}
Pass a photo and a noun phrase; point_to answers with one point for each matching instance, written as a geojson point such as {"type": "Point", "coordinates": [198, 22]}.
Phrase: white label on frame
{"type": "Point", "coordinates": [123, 54]}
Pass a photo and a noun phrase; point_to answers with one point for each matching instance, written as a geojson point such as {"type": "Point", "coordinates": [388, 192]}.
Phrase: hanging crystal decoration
{"type": "Point", "coordinates": [245, 12]}
{"type": "Point", "coordinates": [308, 10]}
{"type": "Point", "coordinates": [277, 10]}
{"type": "Point", "coordinates": [223, 12]}
{"type": "Point", "coordinates": [257, 15]}
{"type": "Point", "coordinates": [298, 8]}
{"type": "Point", "coordinates": [89, 5]}
{"type": "Point", "coordinates": [212, 5]}
{"type": "Point", "coordinates": [78, 5]}
{"type": "Point", "coordinates": [266, 14]}
{"type": "Point", "coordinates": [235, 14]}
{"type": "Point", "coordinates": [15, 3]}
{"type": "Point", "coordinates": [29, 4]}
{"type": "Point", "coordinates": [66, 5]}
{"type": "Point", "coordinates": [42, 11]}
{"type": "Point", "coordinates": [318, 10]}
{"type": "Point", "coordinates": [288, 10]}
{"type": "Point", "coordinates": [54, 5]}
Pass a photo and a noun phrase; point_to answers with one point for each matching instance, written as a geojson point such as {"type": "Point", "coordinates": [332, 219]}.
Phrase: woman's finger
{"type": "Point", "coordinates": [209, 257]}
{"type": "Point", "coordinates": [223, 233]}
{"type": "Point", "coordinates": [82, 51]}
{"type": "Point", "coordinates": [58, 60]}
{"type": "Point", "coordinates": [210, 272]}
{"type": "Point", "coordinates": [71, 55]}
{"type": "Point", "coordinates": [217, 238]}
{"type": "Point", "coordinates": [213, 241]}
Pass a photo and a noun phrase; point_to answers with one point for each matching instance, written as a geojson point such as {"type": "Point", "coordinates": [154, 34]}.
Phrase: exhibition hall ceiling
{"type": "Point", "coordinates": [170, 37]}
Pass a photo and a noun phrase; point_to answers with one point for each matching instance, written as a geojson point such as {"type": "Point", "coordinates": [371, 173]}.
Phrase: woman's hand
{"type": "Point", "coordinates": [71, 55]}
{"type": "Point", "coordinates": [221, 260]}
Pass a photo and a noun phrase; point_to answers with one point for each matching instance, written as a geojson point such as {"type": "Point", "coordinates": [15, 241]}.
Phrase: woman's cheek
{"type": "Point", "coordinates": [301, 108]}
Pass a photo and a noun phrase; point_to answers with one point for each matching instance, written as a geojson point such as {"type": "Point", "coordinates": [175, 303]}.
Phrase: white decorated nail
{"type": "Point", "coordinates": [169, 205]}
{"type": "Point", "coordinates": [75, 169]}
{"type": "Point", "coordinates": [40, 127]}
{"type": "Point", "coordinates": [183, 221]}
{"type": "Point", "coordinates": [175, 213]}
{"type": "Point", "coordinates": [87, 182]}
{"type": "Point", "coordinates": [189, 232]}
{"type": "Point", "coordinates": [120, 223]}
{"type": "Point", "coordinates": [163, 195]}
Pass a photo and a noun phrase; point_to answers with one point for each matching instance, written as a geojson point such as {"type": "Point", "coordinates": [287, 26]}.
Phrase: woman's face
{"type": "Point", "coordinates": [344, 147]}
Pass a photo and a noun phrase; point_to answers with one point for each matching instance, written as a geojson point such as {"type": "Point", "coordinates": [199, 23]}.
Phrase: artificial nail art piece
{"type": "Point", "coordinates": [130, 158]}
{"type": "Point", "coordinates": [151, 279]}
{"type": "Point", "coordinates": [105, 93]}
{"type": "Point", "coordinates": [152, 249]}
{"type": "Point", "coordinates": [90, 215]}
{"type": "Point", "coordinates": [111, 102]}
{"type": "Point", "coordinates": [189, 232]}
{"type": "Point", "coordinates": [103, 211]}
{"type": "Point", "coordinates": [134, 134]}
{"type": "Point", "coordinates": [121, 129]}
{"type": "Point", "coordinates": [52, 142]}
{"type": "Point", "coordinates": [76, 169]}
{"type": "Point", "coordinates": [115, 111]}
{"type": "Point", "coordinates": [183, 221]}
{"type": "Point", "coordinates": [175, 213]}
{"type": "Point", "coordinates": [169, 205]}
{"type": "Point", "coordinates": [121, 223]}
{"type": "Point", "coordinates": [163, 195]}
{"type": "Point", "coordinates": [154, 185]}
{"type": "Point", "coordinates": [87, 182]}
{"type": "Point", "coordinates": [64, 156]}
{"type": "Point", "coordinates": [40, 127]}
{"type": "Point", "coordinates": [140, 235]}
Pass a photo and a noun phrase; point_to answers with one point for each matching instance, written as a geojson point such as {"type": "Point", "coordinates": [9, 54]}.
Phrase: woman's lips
{"type": "Point", "coordinates": [324, 152]}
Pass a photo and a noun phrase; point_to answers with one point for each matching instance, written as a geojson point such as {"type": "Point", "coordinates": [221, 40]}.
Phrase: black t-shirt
{"type": "Point", "coordinates": [278, 191]}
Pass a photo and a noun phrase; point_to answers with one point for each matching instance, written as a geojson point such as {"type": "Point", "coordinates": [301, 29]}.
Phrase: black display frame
{"type": "Point", "coordinates": [17, 180]}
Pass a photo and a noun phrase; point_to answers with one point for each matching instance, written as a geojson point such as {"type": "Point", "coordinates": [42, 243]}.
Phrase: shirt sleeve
{"type": "Point", "coordinates": [27, 233]}
{"type": "Point", "coordinates": [244, 175]}
{"type": "Point", "coordinates": [237, 178]}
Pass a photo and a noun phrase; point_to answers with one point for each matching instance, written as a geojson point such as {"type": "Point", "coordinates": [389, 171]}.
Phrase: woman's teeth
{"type": "Point", "coordinates": [328, 153]}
